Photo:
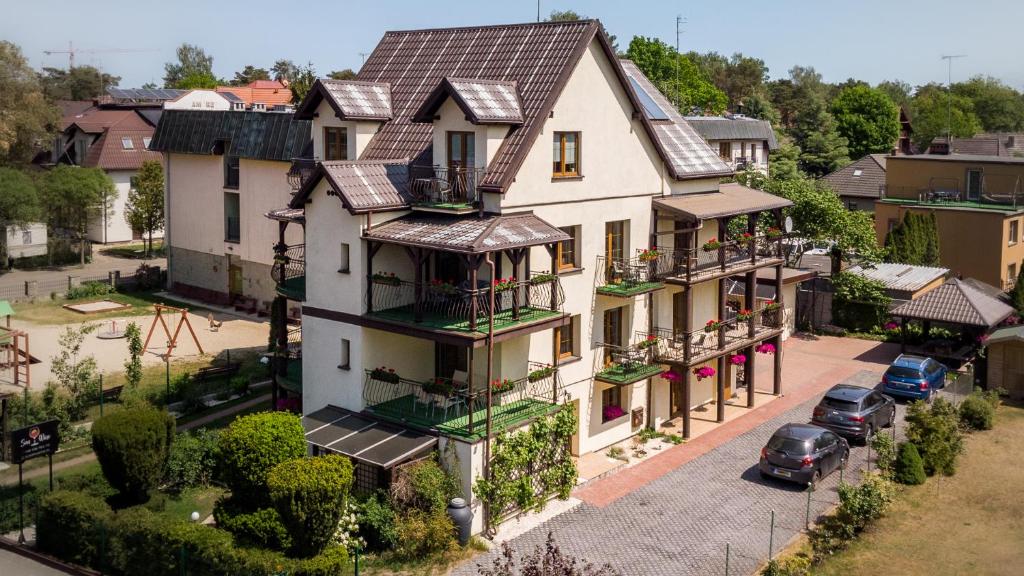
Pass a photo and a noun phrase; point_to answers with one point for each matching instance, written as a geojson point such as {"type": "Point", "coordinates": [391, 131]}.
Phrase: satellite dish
{"type": "Point", "coordinates": [789, 224]}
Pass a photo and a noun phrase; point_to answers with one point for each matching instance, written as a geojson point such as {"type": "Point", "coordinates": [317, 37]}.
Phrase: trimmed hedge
{"type": "Point", "coordinates": [261, 527]}
{"type": "Point", "coordinates": [309, 495]}
{"type": "Point", "coordinates": [977, 412]}
{"type": "Point", "coordinates": [132, 446]}
{"type": "Point", "coordinates": [250, 448]}
{"type": "Point", "coordinates": [909, 465]}
{"type": "Point", "coordinates": [64, 526]}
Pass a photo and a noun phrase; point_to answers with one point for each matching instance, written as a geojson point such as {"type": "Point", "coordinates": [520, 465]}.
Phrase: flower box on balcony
{"type": "Point", "coordinates": [704, 372]}
{"type": "Point", "coordinates": [773, 232]}
{"type": "Point", "coordinates": [542, 279]}
{"type": "Point", "coordinates": [771, 305]}
{"type": "Point", "coordinates": [648, 255]}
{"type": "Point", "coordinates": [648, 342]}
{"type": "Point", "coordinates": [387, 278]}
{"type": "Point", "coordinates": [711, 245]}
{"type": "Point", "coordinates": [384, 374]}
{"type": "Point", "coordinates": [442, 287]}
{"type": "Point", "coordinates": [440, 386]}
{"type": "Point", "coordinates": [744, 315]}
{"type": "Point", "coordinates": [502, 386]}
{"type": "Point", "coordinates": [504, 284]}
{"type": "Point", "coordinates": [712, 325]}
{"type": "Point", "coordinates": [541, 373]}
{"type": "Point", "coordinates": [744, 238]}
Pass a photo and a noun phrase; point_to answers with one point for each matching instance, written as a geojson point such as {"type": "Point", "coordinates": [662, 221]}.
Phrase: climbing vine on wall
{"type": "Point", "coordinates": [530, 466]}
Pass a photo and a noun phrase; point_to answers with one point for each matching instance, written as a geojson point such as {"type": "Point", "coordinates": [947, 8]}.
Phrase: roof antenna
{"type": "Point", "coordinates": [949, 96]}
{"type": "Point", "coordinates": [538, 10]}
{"type": "Point", "coordinates": [679, 23]}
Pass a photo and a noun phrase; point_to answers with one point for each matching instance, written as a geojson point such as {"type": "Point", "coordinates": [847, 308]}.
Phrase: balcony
{"type": "Point", "coordinates": [301, 170]}
{"type": "Point", "coordinates": [628, 364]}
{"type": "Point", "coordinates": [628, 277]}
{"type": "Point", "coordinates": [448, 407]}
{"type": "Point", "coordinates": [443, 306]}
{"type": "Point", "coordinates": [444, 189]}
{"type": "Point", "coordinates": [714, 340]}
{"type": "Point", "coordinates": [289, 272]}
{"type": "Point", "coordinates": [688, 265]}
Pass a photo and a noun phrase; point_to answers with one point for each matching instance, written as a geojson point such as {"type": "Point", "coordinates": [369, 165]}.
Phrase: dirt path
{"type": "Point", "coordinates": [86, 458]}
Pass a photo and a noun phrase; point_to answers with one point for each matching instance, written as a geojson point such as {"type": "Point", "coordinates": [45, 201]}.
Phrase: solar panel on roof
{"type": "Point", "coordinates": [651, 108]}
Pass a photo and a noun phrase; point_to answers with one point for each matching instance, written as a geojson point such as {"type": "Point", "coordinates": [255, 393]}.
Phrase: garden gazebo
{"type": "Point", "coordinates": [957, 304]}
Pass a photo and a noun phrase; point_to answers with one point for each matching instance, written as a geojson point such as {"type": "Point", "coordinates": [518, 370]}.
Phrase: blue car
{"type": "Point", "coordinates": [914, 377]}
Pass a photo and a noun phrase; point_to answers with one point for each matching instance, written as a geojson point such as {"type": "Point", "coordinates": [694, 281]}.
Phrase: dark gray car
{"type": "Point", "coordinates": [855, 411]}
{"type": "Point", "coordinates": [803, 453]}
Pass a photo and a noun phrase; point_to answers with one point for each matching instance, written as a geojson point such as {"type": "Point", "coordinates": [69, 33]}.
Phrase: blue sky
{"type": "Point", "coordinates": [867, 39]}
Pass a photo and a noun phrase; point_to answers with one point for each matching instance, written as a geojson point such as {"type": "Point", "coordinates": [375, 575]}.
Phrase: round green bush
{"type": "Point", "coordinates": [977, 413]}
{"type": "Point", "coordinates": [192, 459]}
{"type": "Point", "coordinates": [376, 522]}
{"type": "Point", "coordinates": [68, 525]}
{"type": "Point", "coordinates": [909, 465]}
{"type": "Point", "coordinates": [132, 446]}
{"type": "Point", "coordinates": [261, 527]}
{"type": "Point", "coordinates": [250, 448]}
{"type": "Point", "coordinates": [310, 494]}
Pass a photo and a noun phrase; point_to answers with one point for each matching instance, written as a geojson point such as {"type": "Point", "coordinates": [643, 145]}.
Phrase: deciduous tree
{"type": "Point", "coordinates": [740, 77]}
{"type": "Point", "coordinates": [249, 74]}
{"type": "Point", "coordinates": [144, 209]}
{"type": "Point", "coordinates": [678, 78]}
{"type": "Point", "coordinates": [897, 90]}
{"type": "Point", "coordinates": [27, 119]}
{"type": "Point", "coordinates": [305, 77]}
{"type": "Point", "coordinates": [868, 120]}
{"type": "Point", "coordinates": [74, 196]}
{"type": "Point", "coordinates": [78, 83]}
{"type": "Point", "coordinates": [929, 113]}
{"type": "Point", "coordinates": [346, 74]}
{"type": "Point", "coordinates": [193, 69]}
{"type": "Point", "coordinates": [998, 107]}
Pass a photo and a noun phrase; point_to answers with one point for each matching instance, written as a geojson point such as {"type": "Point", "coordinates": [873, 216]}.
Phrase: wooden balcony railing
{"type": "Point", "coordinates": [699, 345]}
{"type": "Point", "coordinates": [692, 264]}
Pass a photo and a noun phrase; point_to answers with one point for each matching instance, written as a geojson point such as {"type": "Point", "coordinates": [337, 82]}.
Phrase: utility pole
{"type": "Point", "coordinates": [538, 10]}
{"type": "Point", "coordinates": [679, 24]}
{"type": "Point", "coordinates": [949, 96]}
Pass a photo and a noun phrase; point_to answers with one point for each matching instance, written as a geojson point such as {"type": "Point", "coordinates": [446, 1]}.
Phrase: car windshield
{"type": "Point", "coordinates": [841, 405]}
{"type": "Point", "coordinates": [789, 445]}
{"type": "Point", "coordinates": [904, 372]}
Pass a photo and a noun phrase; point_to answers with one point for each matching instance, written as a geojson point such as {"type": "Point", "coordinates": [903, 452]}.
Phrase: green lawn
{"type": "Point", "coordinates": [135, 251]}
{"type": "Point", "coordinates": [48, 311]}
{"type": "Point", "coordinates": [968, 524]}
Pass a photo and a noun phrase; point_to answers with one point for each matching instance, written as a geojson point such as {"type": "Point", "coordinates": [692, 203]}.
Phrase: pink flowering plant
{"type": "Point", "coordinates": [612, 412]}
{"type": "Point", "coordinates": [703, 372]}
{"type": "Point", "coordinates": [671, 376]}
{"type": "Point", "coordinates": [737, 359]}
{"type": "Point", "coordinates": [765, 348]}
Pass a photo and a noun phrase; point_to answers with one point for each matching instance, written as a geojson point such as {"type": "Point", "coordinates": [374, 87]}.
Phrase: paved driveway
{"type": "Point", "coordinates": [680, 522]}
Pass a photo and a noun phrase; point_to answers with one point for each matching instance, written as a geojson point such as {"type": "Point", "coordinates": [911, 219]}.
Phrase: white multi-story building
{"type": "Point", "coordinates": [741, 142]}
{"type": "Point", "coordinates": [527, 166]}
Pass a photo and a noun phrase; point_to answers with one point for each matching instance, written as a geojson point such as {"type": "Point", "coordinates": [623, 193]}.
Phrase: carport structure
{"type": "Point", "coordinates": [958, 304]}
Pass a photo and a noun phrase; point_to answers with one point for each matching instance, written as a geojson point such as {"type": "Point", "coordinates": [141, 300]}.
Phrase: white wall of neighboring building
{"type": "Point", "coordinates": [742, 149]}
{"type": "Point", "coordinates": [112, 226]}
{"type": "Point", "coordinates": [25, 241]}
{"type": "Point", "coordinates": [199, 100]}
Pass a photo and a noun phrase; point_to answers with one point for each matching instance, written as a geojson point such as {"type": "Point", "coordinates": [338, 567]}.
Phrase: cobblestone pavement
{"type": "Point", "coordinates": [681, 522]}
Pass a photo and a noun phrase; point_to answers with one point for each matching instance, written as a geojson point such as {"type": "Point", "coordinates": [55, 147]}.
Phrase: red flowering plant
{"type": "Point", "coordinates": [502, 385]}
{"type": "Point", "coordinates": [737, 359]}
{"type": "Point", "coordinates": [771, 305]}
{"type": "Point", "coordinates": [704, 372]}
{"type": "Point", "coordinates": [773, 232]}
{"type": "Point", "coordinates": [712, 244]}
{"type": "Point", "coordinates": [712, 325]}
{"type": "Point", "coordinates": [765, 348]}
{"type": "Point", "coordinates": [744, 315]}
{"type": "Point", "coordinates": [503, 284]}
{"type": "Point", "coordinates": [440, 386]}
{"type": "Point", "coordinates": [743, 239]}
{"type": "Point", "coordinates": [651, 340]}
{"type": "Point", "coordinates": [612, 412]}
{"type": "Point", "coordinates": [388, 278]}
{"type": "Point", "coordinates": [441, 287]}
{"type": "Point", "coordinates": [385, 374]}
{"type": "Point", "coordinates": [648, 255]}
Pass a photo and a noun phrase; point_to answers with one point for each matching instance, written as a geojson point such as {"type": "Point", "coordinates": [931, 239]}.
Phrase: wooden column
{"type": "Point", "coordinates": [752, 219]}
{"type": "Point", "coordinates": [721, 312]}
{"type": "Point", "coordinates": [723, 231]}
{"type": "Point", "coordinates": [777, 377]}
{"type": "Point", "coordinates": [686, 402]}
{"type": "Point", "coordinates": [750, 302]}
{"type": "Point", "coordinates": [516, 258]}
{"type": "Point", "coordinates": [417, 256]}
{"type": "Point", "coordinates": [749, 375]}
{"type": "Point", "coordinates": [720, 393]}
{"type": "Point", "coordinates": [473, 264]}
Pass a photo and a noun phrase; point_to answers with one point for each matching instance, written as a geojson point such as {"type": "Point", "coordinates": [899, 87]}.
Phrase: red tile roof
{"type": "Point", "coordinates": [96, 120]}
{"type": "Point", "coordinates": [109, 152]}
{"type": "Point", "coordinates": [267, 92]}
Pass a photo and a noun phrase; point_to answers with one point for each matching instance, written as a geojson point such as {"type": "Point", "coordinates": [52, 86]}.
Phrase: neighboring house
{"type": "Point", "coordinates": [905, 145]}
{"type": "Point", "coordinates": [902, 281]}
{"type": "Point", "coordinates": [205, 100]}
{"type": "Point", "coordinates": [23, 241]}
{"type": "Point", "coordinates": [261, 95]}
{"type": "Point", "coordinates": [529, 154]}
{"type": "Point", "coordinates": [224, 171]}
{"type": "Point", "coordinates": [740, 141]}
{"type": "Point", "coordinates": [1005, 362]}
{"type": "Point", "coordinates": [978, 202]}
{"type": "Point", "coordinates": [861, 183]}
{"type": "Point", "coordinates": [985, 144]}
{"type": "Point", "coordinates": [114, 139]}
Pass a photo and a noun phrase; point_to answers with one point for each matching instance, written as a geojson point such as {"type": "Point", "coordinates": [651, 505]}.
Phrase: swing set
{"type": "Point", "coordinates": [172, 339]}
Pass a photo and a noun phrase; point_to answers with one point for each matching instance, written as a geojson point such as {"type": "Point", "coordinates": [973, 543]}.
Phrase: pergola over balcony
{"type": "Point", "coordinates": [464, 306]}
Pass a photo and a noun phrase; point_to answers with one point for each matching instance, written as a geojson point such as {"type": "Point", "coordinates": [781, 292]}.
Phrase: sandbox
{"type": "Point", "coordinates": [97, 307]}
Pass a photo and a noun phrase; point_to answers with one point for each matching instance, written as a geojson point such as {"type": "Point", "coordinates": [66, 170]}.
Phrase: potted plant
{"type": "Point", "coordinates": [773, 232]}
{"type": "Point", "coordinates": [441, 287]}
{"type": "Point", "coordinates": [703, 372]}
{"type": "Point", "coordinates": [502, 385]}
{"type": "Point", "coordinates": [387, 278]}
{"type": "Point", "coordinates": [646, 343]}
{"type": "Point", "coordinates": [540, 373]}
{"type": "Point", "coordinates": [743, 239]}
{"type": "Point", "coordinates": [712, 325]}
{"type": "Point", "coordinates": [440, 386]}
{"type": "Point", "coordinates": [542, 278]}
{"type": "Point", "coordinates": [711, 245]}
{"type": "Point", "coordinates": [765, 348]}
{"type": "Point", "coordinates": [504, 284]}
{"type": "Point", "coordinates": [737, 359]}
{"type": "Point", "coordinates": [744, 315]}
{"type": "Point", "coordinates": [648, 255]}
{"type": "Point", "coordinates": [612, 413]}
{"type": "Point", "coordinates": [771, 305]}
{"type": "Point", "coordinates": [385, 374]}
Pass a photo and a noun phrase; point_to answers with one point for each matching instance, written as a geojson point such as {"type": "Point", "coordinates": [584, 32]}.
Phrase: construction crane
{"type": "Point", "coordinates": [71, 51]}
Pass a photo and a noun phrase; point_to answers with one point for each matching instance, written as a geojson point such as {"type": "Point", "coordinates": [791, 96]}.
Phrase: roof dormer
{"type": "Point", "coordinates": [346, 114]}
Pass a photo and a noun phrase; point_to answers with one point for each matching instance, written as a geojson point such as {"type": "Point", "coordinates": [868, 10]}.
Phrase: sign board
{"type": "Point", "coordinates": [33, 441]}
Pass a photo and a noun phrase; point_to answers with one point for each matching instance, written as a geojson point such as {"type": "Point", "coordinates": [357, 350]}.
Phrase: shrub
{"type": "Point", "coordinates": [422, 533]}
{"type": "Point", "coordinates": [909, 466]}
{"type": "Point", "coordinates": [885, 452]}
{"type": "Point", "coordinates": [423, 486]}
{"type": "Point", "coordinates": [796, 565]}
{"type": "Point", "coordinates": [549, 560]}
{"type": "Point", "coordinates": [192, 459]}
{"type": "Point", "coordinates": [309, 494]}
{"type": "Point", "coordinates": [132, 447]}
{"type": "Point", "coordinates": [935, 430]}
{"type": "Point", "coordinates": [860, 505]}
{"type": "Point", "coordinates": [250, 448]}
{"type": "Point", "coordinates": [977, 412]}
{"type": "Point", "coordinates": [67, 525]}
{"type": "Point", "coordinates": [262, 527]}
{"type": "Point", "coordinates": [239, 385]}
{"type": "Point", "coordinates": [376, 519]}
{"type": "Point", "coordinates": [89, 290]}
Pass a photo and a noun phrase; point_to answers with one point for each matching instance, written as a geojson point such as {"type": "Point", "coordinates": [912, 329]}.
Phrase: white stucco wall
{"type": "Point", "coordinates": [16, 236]}
{"type": "Point", "coordinates": [199, 100]}
{"type": "Point", "coordinates": [112, 226]}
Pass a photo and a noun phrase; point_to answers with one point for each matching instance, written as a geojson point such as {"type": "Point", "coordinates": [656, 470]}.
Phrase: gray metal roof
{"type": "Point", "coordinates": [864, 178]}
{"type": "Point", "coordinates": [956, 302]}
{"type": "Point", "coordinates": [714, 128]}
{"type": "Point", "coordinates": [369, 185]}
{"type": "Point", "coordinates": [1007, 333]}
{"type": "Point", "coordinates": [483, 101]}
{"type": "Point", "coordinates": [730, 199]}
{"type": "Point", "coordinates": [684, 151]}
{"type": "Point", "coordinates": [903, 277]}
{"type": "Point", "coordinates": [364, 439]}
{"type": "Point", "coordinates": [253, 135]}
{"type": "Point", "coordinates": [151, 94]}
{"type": "Point", "coordinates": [467, 234]}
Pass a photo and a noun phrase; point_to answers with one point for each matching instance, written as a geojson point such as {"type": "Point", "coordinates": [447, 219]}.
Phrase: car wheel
{"type": "Point", "coordinates": [815, 480]}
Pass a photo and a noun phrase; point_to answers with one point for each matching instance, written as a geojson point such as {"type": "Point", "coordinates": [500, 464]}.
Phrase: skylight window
{"type": "Point", "coordinates": [145, 141]}
{"type": "Point", "coordinates": [857, 172]}
{"type": "Point", "coordinates": [126, 143]}
{"type": "Point", "coordinates": [651, 108]}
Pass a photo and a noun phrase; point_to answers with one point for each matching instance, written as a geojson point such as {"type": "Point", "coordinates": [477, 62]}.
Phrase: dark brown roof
{"type": "Point", "coordinates": [483, 101]}
{"type": "Point", "coordinates": [467, 235]}
{"type": "Point", "coordinates": [976, 146]}
{"type": "Point", "coordinates": [956, 302]}
{"type": "Point", "coordinates": [684, 151]}
{"type": "Point", "coordinates": [288, 215]}
{"type": "Point", "coordinates": [109, 152]}
{"type": "Point", "coordinates": [864, 178]}
{"type": "Point", "coordinates": [350, 99]}
{"type": "Point", "coordinates": [730, 199]}
{"type": "Point", "coordinates": [362, 185]}
{"type": "Point", "coordinates": [540, 57]}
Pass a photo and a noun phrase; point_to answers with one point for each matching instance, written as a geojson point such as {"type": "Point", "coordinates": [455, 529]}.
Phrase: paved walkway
{"type": "Point", "coordinates": [12, 564]}
{"type": "Point", "coordinates": [675, 513]}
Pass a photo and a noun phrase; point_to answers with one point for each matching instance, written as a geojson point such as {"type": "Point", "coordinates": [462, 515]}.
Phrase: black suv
{"type": "Point", "coordinates": [855, 411]}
